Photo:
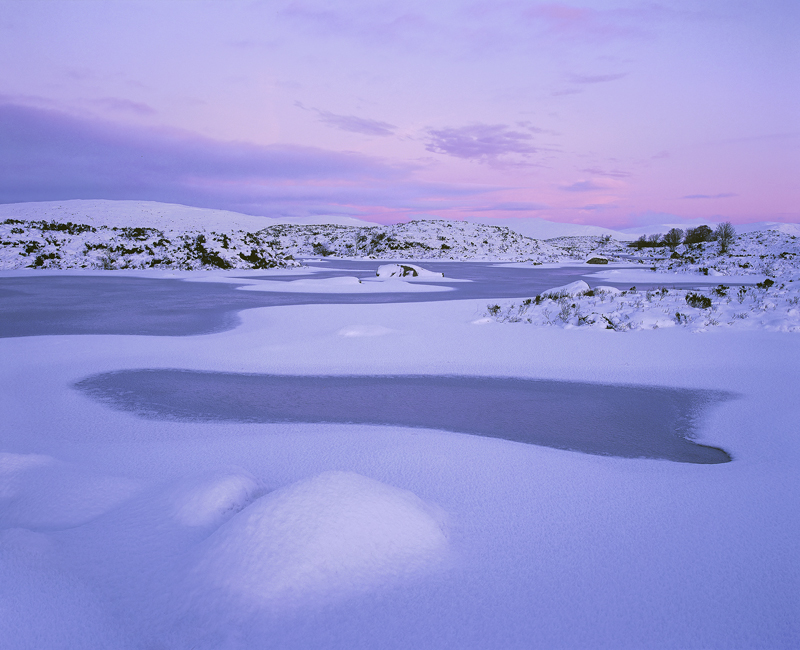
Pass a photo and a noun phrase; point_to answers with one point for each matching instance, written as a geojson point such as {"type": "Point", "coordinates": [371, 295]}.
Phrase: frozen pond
{"type": "Point", "coordinates": [91, 304]}
{"type": "Point", "coordinates": [624, 421]}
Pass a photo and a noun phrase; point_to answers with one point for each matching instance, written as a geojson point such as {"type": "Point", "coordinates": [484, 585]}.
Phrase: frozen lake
{"type": "Point", "coordinates": [91, 304]}
{"type": "Point", "coordinates": [624, 421]}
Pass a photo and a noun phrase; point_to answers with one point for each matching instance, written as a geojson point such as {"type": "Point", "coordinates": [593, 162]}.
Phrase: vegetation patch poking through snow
{"type": "Point", "coordinates": [764, 306]}
{"type": "Point", "coordinates": [42, 244]}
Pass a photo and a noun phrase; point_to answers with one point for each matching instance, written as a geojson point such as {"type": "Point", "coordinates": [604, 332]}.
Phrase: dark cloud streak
{"type": "Point", "coordinates": [49, 155]}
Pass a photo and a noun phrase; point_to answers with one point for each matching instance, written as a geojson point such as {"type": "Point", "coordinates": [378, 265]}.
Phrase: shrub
{"type": "Point", "coordinates": [257, 260]}
{"type": "Point", "coordinates": [493, 309]}
{"type": "Point", "coordinates": [766, 284]}
{"type": "Point", "coordinates": [698, 235]}
{"type": "Point", "coordinates": [698, 301]}
{"type": "Point", "coordinates": [721, 290]}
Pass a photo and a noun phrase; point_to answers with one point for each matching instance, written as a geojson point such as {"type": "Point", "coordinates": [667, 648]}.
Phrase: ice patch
{"type": "Point", "coordinates": [320, 539]}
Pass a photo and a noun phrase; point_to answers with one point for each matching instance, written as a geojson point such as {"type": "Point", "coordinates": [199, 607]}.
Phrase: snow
{"type": "Point", "coordinates": [119, 531]}
{"type": "Point", "coordinates": [152, 214]}
{"type": "Point", "coordinates": [406, 271]}
{"type": "Point", "coordinates": [606, 551]}
{"type": "Point", "coordinates": [321, 538]}
{"type": "Point", "coordinates": [537, 228]}
{"type": "Point", "coordinates": [572, 289]}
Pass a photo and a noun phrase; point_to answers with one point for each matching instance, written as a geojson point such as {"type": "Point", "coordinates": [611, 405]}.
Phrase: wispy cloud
{"type": "Point", "coordinates": [595, 79]}
{"type": "Point", "coordinates": [356, 124]}
{"type": "Point", "coordinates": [352, 123]}
{"type": "Point", "coordinates": [512, 206]}
{"type": "Point", "coordinates": [611, 173]}
{"type": "Point", "coordinates": [485, 142]}
{"type": "Point", "coordinates": [124, 105]}
{"type": "Point", "coordinates": [568, 21]}
{"type": "Point", "coordinates": [582, 186]}
{"type": "Point", "coordinates": [724, 195]}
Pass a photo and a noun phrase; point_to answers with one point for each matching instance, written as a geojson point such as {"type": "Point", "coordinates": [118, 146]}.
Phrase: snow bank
{"type": "Point", "coordinates": [324, 537]}
{"type": "Point", "coordinates": [572, 289]}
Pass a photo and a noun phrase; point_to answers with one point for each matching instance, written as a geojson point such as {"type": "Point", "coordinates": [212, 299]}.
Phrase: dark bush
{"type": "Point", "coordinates": [257, 260]}
{"type": "Point", "coordinates": [698, 301]}
{"type": "Point", "coordinates": [766, 284]}
{"type": "Point", "coordinates": [698, 235]}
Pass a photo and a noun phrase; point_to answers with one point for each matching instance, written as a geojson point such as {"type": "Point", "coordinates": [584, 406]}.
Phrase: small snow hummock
{"type": "Point", "coordinates": [567, 291]}
{"type": "Point", "coordinates": [324, 537]}
{"type": "Point", "coordinates": [405, 271]}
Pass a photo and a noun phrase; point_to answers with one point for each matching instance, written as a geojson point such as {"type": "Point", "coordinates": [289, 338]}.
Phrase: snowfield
{"type": "Point", "coordinates": [125, 528]}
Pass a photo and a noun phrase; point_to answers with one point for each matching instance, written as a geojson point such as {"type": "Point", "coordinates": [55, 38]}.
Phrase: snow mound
{"type": "Point", "coordinates": [405, 271]}
{"type": "Point", "coordinates": [567, 290]}
{"type": "Point", "coordinates": [39, 491]}
{"type": "Point", "coordinates": [602, 288]}
{"type": "Point", "coordinates": [321, 538]}
{"type": "Point", "coordinates": [210, 499]}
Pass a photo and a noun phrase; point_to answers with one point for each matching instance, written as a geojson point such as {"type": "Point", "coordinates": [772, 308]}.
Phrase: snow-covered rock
{"type": "Point", "coordinates": [568, 290]}
{"type": "Point", "coordinates": [405, 271]}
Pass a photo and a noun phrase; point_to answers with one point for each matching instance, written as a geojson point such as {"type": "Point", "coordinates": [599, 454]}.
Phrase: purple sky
{"type": "Point", "coordinates": [608, 113]}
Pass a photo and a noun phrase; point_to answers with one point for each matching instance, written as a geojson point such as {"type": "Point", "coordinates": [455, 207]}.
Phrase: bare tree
{"type": "Point", "coordinates": [724, 234]}
{"type": "Point", "coordinates": [673, 238]}
{"type": "Point", "coordinates": [653, 240]}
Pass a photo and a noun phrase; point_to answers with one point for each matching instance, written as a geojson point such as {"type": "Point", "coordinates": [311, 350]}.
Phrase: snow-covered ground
{"type": "Point", "coordinates": [125, 529]}
{"type": "Point", "coordinates": [126, 532]}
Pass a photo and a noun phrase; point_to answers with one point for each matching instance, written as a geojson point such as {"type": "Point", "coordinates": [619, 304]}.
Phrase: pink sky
{"type": "Point", "coordinates": [607, 113]}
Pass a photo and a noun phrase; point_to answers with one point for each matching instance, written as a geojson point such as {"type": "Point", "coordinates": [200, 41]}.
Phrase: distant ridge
{"type": "Point", "coordinates": [538, 228]}
{"type": "Point", "coordinates": [152, 214]}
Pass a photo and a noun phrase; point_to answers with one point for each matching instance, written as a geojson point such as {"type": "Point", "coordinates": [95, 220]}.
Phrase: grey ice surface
{"type": "Point", "coordinates": [74, 304]}
{"type": "Point", "coordinates": [624, 421]}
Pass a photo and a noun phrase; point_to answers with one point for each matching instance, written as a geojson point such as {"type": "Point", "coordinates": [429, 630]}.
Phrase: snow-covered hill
{"type": "Point", "coordinates": [152, 214]}
{"type": "Point", "coordinates": [537, 228]}
{"type": "Point", "coordinates": [51, 244]}
{"type": "Point", "coordinates": [428, 239]}
{"type": "Point", "coordinates": [140, 234]}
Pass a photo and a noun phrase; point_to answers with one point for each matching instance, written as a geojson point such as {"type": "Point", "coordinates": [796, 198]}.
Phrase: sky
{"type": "Point", "coordinates": [611, 113]}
